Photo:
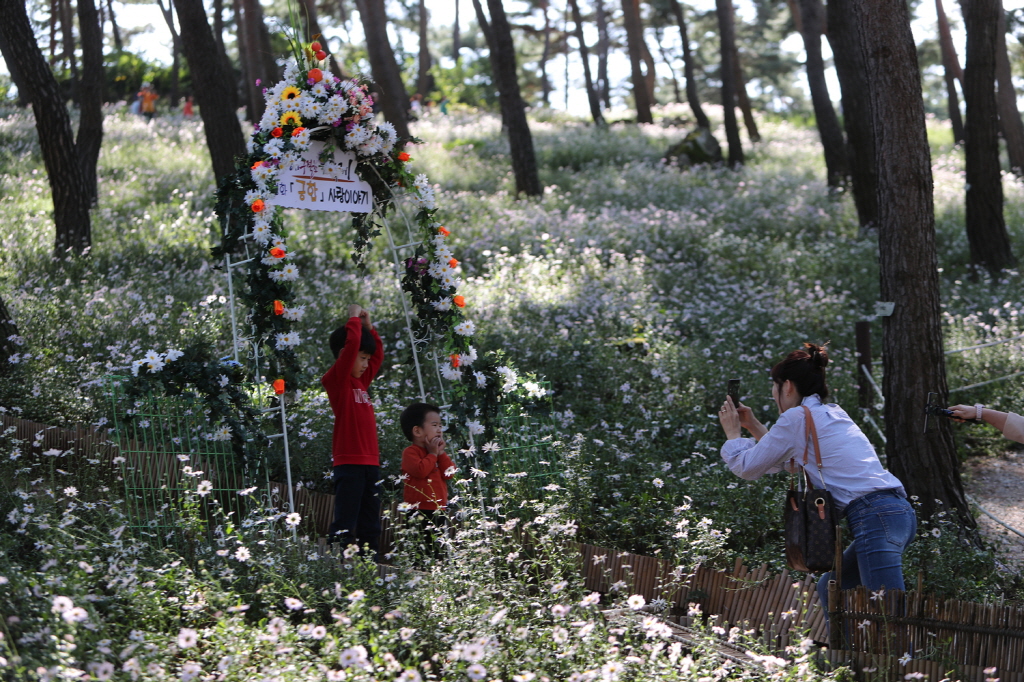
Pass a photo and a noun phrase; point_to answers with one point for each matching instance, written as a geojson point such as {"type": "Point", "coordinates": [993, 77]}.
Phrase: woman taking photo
{"type": "Point", "coordinates": [872, 500]}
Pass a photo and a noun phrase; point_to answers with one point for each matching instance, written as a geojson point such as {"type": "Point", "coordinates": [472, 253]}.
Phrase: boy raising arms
{"type": "Point", "coordinates": [358, 353]}
{"type": "Point", "coordinates": [425, 464]}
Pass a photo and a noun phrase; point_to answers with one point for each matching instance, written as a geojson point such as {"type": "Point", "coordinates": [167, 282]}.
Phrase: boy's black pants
{"type": "Point", "coordinates": [356, 506]}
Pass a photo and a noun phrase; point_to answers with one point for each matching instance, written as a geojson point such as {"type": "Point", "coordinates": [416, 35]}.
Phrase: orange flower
{"type": "Point", "coordinates": [316, 74]}
{"type": "Point", "coordinates": [453, 263]}
{"type": "Point", "coordinates": [277, 252]}
{"type": "Point", "coordinates": [403, 156]}
{"type": "Point", "coordinates": [444, 231]}
{"type": "Point", "coordinates": [258, 206]}
{"type": "Point", "coordinates": [277, 132]}
{"type": "Point", "coordinates": [256, 165]}
{"type": "Point", "coordinates": [297, 131]}
{"type": "Point", "coordinates": [455, 359]}
{"type": "Point", "coordinates": [279, 386]}
{"type": "Point", "coordinates": [459, 301]}
{"type": "Point", "coordinates": [278, 308]}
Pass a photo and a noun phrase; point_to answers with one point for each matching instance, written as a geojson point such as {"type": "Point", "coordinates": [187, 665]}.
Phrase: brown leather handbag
{"type": "Point", "coordinates": [810, 514]}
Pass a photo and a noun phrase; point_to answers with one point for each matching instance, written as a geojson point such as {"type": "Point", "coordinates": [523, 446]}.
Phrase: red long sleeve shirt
{"type": "Point", "coordinates": [425, 478]}
{"type": "Point", "coordinates": [355, 426]}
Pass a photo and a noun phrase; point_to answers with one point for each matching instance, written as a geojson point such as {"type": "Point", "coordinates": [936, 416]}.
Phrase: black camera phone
{"type": "Point", "coordinates": [734, 392]}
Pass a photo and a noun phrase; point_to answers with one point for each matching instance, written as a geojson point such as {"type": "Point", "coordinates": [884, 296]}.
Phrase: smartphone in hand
{"type": "Point", "coordinates": [733, 391]}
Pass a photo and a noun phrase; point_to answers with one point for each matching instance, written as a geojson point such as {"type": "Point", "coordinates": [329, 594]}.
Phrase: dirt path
{"type": "Point", "coordinates": [997, 484]}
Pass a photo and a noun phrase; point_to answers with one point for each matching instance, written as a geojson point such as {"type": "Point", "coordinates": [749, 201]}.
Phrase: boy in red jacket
{"type": "Point", "coordinates": [358, 353]}
{"type": "Point", "coordinates": [425, 465]}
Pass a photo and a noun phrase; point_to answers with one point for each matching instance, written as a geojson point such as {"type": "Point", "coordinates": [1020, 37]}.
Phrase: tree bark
{"type": "Point", "coordinates": [986, 228]}
{"type": "Point", "coordinates": [692, 94]}
{"type": "Point", "coordinates": [90, 121]}
{"type": "Point", "coordinates": [56, 141]}
{"type": "Point", "coordinates": [668, 62]}
{"type": "Point", "coordinates": [604, 88]}
{"type": "Point", "coordinates": [113, 26]}
{"type": "Point", "coordinates": [912, 351]}
{"type": "Point", "coordinates": [67, 25]}
{"type": "Point", "coordinates": [1009, 117]}
{"type": "Point", "coordinates": [424, 81]}
{"type": "Point", "coordinates": [545, 82]}
{"type": "Point", "coordinates": [650, 75]}
{"type": "Point", "coordinates": [394, 99]}
{"type": "Point", "coordinates": [727, 73]}
{"type": "Point", "coordinates": [7, 329]}
{"type": "Point", "coordinates": [860, 132]}
{"type": "Point", "coordinates": [812, 25]}
{"type": "Point", "coordinates": [743, 101]}
{"type": "Point", "coordinates": [211, 82]}
{"type": "Point", "coordinates": [16, 75]}
{"type": "Point", "coordinates": [952, 72]}
{"type": "Point", "coordinates": [456, 35]}
{"type": "Point", "coordinates": [503, 61]}
{"type": "Point", "coordinates": [244, 60]}
{"type": "Point", "coordinates": [634, 36]}
{"type": "Point", "coordinates": [592, 96]}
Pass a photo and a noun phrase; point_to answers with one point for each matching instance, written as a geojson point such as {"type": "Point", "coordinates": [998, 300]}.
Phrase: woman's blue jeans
{"type": "Point", "coordinates": [883, 524]}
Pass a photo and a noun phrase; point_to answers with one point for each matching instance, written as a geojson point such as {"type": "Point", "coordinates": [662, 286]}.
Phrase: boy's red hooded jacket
{"type": "Point", "coordinates": [355, 427]}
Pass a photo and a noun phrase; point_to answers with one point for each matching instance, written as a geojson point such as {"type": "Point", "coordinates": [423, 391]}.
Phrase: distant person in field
{"type": "Point", "coordinates": [188, 110]}
{"type": "Point", "coordinates": [358, 354]}
{"type": "Point", "coordinates": [147, 99]}
{"type": "Point", "coordinates": [426, 467]}
{"type": "Point", "coordinates": [1010, 424]}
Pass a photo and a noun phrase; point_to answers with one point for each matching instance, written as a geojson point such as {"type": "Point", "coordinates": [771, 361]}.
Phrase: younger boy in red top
{"type": "Point", "coordinates": [358, 353]}
{"type": "Point", "coordinates": [426, 466]}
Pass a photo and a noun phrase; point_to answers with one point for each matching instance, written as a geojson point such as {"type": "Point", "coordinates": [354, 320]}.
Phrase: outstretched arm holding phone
{"type": "Point", "coordinates": [1011, 424]}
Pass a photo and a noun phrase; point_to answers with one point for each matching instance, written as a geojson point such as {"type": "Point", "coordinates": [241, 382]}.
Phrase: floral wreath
{"type": "Point", "coordinates": [310, 104]}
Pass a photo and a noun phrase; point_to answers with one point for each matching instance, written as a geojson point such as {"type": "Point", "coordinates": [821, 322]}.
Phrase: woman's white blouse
{"type": "Point", "coordinates": [850, 467]}
{"type": "Point", "coordinates": [1014, 427]}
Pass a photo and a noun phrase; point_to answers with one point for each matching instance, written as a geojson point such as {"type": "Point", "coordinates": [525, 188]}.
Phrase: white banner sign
{"type": "Point", "coordinates": [307, 183]}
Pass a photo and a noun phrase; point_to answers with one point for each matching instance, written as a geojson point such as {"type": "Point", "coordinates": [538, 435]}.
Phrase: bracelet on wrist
{"type": "Point", "coordinates": [978, 407]}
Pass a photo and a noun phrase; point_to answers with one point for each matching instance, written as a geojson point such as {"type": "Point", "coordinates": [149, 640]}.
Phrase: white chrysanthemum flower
{"type": "Point", "coordinates": [222, 433]}
{"type": "Point", "coordinates": [451, 373]}
{"type": "Point", "coordinates": [286, 341]}
{"type": "Point", "coordinates": [273, 148]}
{"type": "Point", "coordinates": [319, 90]}
{"type": "Point", "coordinates": [443, 253]}
{"type": "Point", "coordinates": [260, 175]}
{"type": "Point", "coordinates": [270, 260]}
{"type": "Point", "coordinates": [75, 615]}
{"type": "Point", "coordinates": [250, 146]}
{"type": "Point", "coordinates": [294, 314]}
{"type": "Point", "coordinates": [172, 355]}
{"type": "Point", "coordinates": [481, 379]}
{"type": "Point", "coordinates": [442, 305]}
{"type": "Point", "coordinates": [290, 158]}
{"type": "Point", "coordinates": [292, 603]}
{"type": "Point", "coordinates": [450, 281]}
{"type": "Point", "coordinates": [62, 604]}
{"type": "Point", "coordinates": [271, 114]}
{"type": "Point", "coordinates": [301, 140]}
{"type": "Point", "coordinates": [290, 272]}
{"type": "Point", "coordinates": [276, 275]}
{"type": "Point", "coordinates": [465, 328]}
{"type": "Point", "coordinates": [243, 553]}
{"type": "Point", "coordinates": [187, 638]}
{"type": "Point", "coordinates": [293, 519]}
{"type": "Point", "coordinates": [636, 602]}
{"type": "Point", "coordinates": [509, 377]}
{"type": "Point", "coordinates": [291, 71]}
{"type": "Point", "coordinates": [204, 488]}
{"type": "Point", "coordinates": [436, 270]}
{"type": "Point", "coordinates": [468, 358]}
{"type": "Point", "coordinates": [261, 232]}
{"type": "Point", "coordinates": [475, 428]}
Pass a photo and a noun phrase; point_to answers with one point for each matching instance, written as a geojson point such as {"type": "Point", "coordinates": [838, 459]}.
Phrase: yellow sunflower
{"type": "Point", "coordinates": [290, 93]}
{"type": "Point", "coordinates": [291, 118]}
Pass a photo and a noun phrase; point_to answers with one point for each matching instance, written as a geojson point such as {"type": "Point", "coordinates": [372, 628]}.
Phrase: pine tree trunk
{"type": "Point", "coordinates": [912, 350]}
{"type": "Point", "coordinates": [545, 82]}
{"type": "Point", "coordinates": [424, 80]}
{"type": "Point", "coordinates": [668, 62]}
{"type": "Point", "coordinates": [692, 94]}
{"type": "Point", "coordinates": [16, 75]}
{"type": "Point", "coordinates": [244, 61]}
{"type": "Point", "coordinates": [7, 329]}
{"type": "Point", "coordinates": [503, 61]}
{"type": "Point", "coordinates": [860, 132]}
{"type": "Point", "coordinates": [604, 88]}
{"type": "Point", "coordinates": [727, 72]}
{"type": "Point", "coordinates": [67, 26]}
{"type": "Point", "coordinates": [592, 96]}
{"type": "Point", "coordinates": [90, 121]}
{"type": "Point", "coordinates": [952, 72]}
{"type": "Point", "coordinates": [118, 46]}
{"type": "Point", "coordinates": [812, 25]}
{"type": "Point", "coordinates": [394, 99]}
{"type": "Point", "coordinates": [1009, 117]}
{"type": "Point", "coordinates": [56, 141]}
{"type": "Point", "coordinates": [211, 84]}
{"type": "Point", "coordinates": [634, 36]}
{"type": "Point", "coordinates": [456, 35]}
{"type": "Point", "coordinates": [650, 74]}
{"type": "Point", "coordinates": [743, 101]}
{"type": "Point", "coordinates": [986, 229]}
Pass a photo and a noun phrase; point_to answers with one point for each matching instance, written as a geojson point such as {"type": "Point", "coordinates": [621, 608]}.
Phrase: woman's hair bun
{"type": "Point", "coordinates": [818, 354]}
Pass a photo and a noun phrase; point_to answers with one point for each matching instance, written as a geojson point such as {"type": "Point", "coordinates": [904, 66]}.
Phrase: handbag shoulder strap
{"type": "Point", "coordinates": [811, 434]}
